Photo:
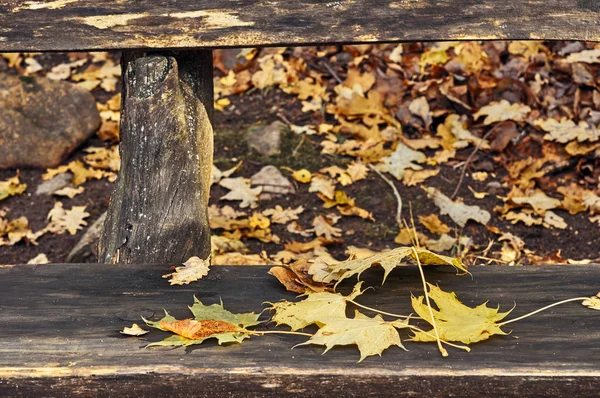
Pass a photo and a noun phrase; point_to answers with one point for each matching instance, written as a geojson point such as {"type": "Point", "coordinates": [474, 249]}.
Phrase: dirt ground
{"type": "Point", "coordinates": [581, 240]}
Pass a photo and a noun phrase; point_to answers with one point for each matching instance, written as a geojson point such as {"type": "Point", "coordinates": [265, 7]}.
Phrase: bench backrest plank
{"type": "Point", "coordinates": [71, 25]}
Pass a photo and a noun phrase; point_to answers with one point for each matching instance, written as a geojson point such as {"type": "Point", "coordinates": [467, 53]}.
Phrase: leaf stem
{"type": "Point", "coordinates": [259, 333]}
{"type": "Point", "coordinates": [433, 323]}
{"type": "Point", "coordinates": [381, 312]}
{"type": "Point", "coordinates": [462, 347]}
{"type": "Point", "coordinates": [542, 309]}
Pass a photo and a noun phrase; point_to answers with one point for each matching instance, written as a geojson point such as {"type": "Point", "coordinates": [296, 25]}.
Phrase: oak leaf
{"type": "Point", "coordinates": [371, 335]}
{"type": "Point", "coordinates": [323, 185]}
{"type": "Point", "coordinates": [592, 302]}
{"type": "Point", "coordinates": [400, 160]}
{"type": "Point", "coordinates": [279, 215]}
{"type": "Point", "coordinates": [324, 227]}
{"type": "Point", "coordinates": [62, 220]}
{"type": "Point", "coordinates": [499, 111]}
{"type": "Point", "coordinates": [240, 190]}
{"type": "Point", "coordinates": [456, 321]}
{"type": "Point", "coordinates": [69, 192]}
{"type": "Point", "coordinates": [565, 130]}
{"type": "Point", "coordinates": [193, 269]}
{"type": "Point", "coordinates": [459, 212]}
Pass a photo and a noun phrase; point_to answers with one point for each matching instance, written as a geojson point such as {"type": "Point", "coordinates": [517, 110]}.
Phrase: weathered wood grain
{"type": "Point", "coordinates": [158, 210]}
{"type": "Point", "coordinates": [59, 336]}
{"type": "Point", "coordinates": [47, 25]}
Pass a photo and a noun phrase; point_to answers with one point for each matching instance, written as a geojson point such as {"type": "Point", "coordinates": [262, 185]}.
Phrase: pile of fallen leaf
{"type": "Point", "coordinates": [501, 137]}
{"type": "Point", "coordinates": [451, 322]}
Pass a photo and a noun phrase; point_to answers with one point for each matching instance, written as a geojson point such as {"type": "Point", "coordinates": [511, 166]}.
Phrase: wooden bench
{"type": "Point", "coordinates": [158, 210]}
{"type": "Point", "coordinates": [59, 323]}
{"type": "Point", "coordinates": [60, 337]}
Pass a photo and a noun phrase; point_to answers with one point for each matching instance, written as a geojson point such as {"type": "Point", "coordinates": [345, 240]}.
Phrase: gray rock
{"type": "Point", "coordinates": [266, 140]}
{"type": "Point", "coordinates": [273, 183]}
{"type": "Point", "coordinates": [49, 187]}
{"type": "Point", "coordinates": [43, 121]}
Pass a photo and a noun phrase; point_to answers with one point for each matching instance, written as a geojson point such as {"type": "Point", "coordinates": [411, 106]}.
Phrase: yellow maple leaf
{"type": "Point", "coordinates": [316, 308]}
{"type": "Point", "coordinates": [456, 321]}
{"type": "Point", "coordinates": [388, 261]}
{"type": "Point", "coordinates": [371, 335]}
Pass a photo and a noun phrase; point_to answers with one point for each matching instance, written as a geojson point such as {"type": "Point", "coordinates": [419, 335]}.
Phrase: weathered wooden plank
{"type": "Point", "coordinates": [158, 210]}
{"type": "Point", "coordinates": [60, 323]}
{"type": "Point", "coordinates": [47, 25]}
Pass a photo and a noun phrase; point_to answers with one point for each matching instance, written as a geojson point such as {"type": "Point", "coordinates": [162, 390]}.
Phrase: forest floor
{"type": "Point", "coordinates": [511, 126]}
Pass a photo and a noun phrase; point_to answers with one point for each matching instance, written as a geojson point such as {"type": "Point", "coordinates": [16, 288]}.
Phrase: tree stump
{"type": "Point", "coordinates": [158, 210]}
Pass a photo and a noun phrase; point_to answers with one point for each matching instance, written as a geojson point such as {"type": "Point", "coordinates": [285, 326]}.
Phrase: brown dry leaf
{"type": "Point", "coordinates": [193, 269]}
{"type": "Point", "coordinates": [412, 178]}
{"type": "Point", "coordinates": [471, 55]}
{"type": "Point", "coordinates": [324, 227]}
{"type": "Point", "coordinates": [436, 55]}
{"type": "Point", "coordinates": [349, 211]}
{"type": "Point", "coordinates": [536, 199]}
{"type": "Point", "coordinates": [454, 320]}
{"type": "Point", "coordinates": [133, 330]}
{"type": "Point", "coordinates": [295, 278]}
{"type": "Point", "coordinates": [420, 107]}
{"type": "Point", "coordinates": [455, 134]}
{"type": "Point", "coordinates": [586, 56]}
{"type": "Point", "coordinates": [526, 48]}
{"type": "Point", "coordinates": [279, 215]}
{"type": "Point", "coordinates": [323, 185]}
{"type": "Point", "coordinates": [459, 212]}
{"type": "Point", "coordinates": [242, 259]}
{"type": "Point", "coordinates": [499, 111]}
{"type": "Point", "coordinates": [11, 187]}
{"type": "Point", "coordinates": [434, 225]}
{"type": "Point", "coordinates": [62, 220]}
{"type": "Point", "coordinates": [357, 171]}
{"type": "Point", "coordinates": [364, 80]}
{"type": "Point", "coordinates": [240, 190]}
{"type": "Point", "coordinates": [565, 130]}
{"type": "Point", "coordinates": [223, 244]}
{"type": "Point", "coordinates": [445, 242]}
{"type": "Point", "coordinates": [69, 192]}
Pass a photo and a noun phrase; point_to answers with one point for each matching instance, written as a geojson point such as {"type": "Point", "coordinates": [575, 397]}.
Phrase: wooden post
{"type": "Point", "coordinates": [158, 210]}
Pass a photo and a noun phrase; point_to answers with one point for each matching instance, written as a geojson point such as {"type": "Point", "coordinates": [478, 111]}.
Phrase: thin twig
{"type": "Point", "coordinates": [433, 323]}
{"type": "Point", "coordinates": [381, 312]}
{"type": "Point", "coordinates": [332, 72]}
{"type": "Point", "coordinates": [468, 161]}
{"type": "Point", "coordinates": [542, 309]}
{"type": "Point", "coordinates": [284, 118]}
{"type": "Point", "coordinates": [396, 194]}
{"type": "Point", "coordinates": [462, 347]}
{"type": "Point", "coordinates": [259, 333]}
{"type": "Point", "coordinates": [299, 145]}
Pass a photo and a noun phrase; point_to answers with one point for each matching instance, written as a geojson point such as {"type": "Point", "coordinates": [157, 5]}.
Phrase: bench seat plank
{"type": "Point", "coordinates": [75, 25]}
{"type": "Point", "coordinates": [60, 326]}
